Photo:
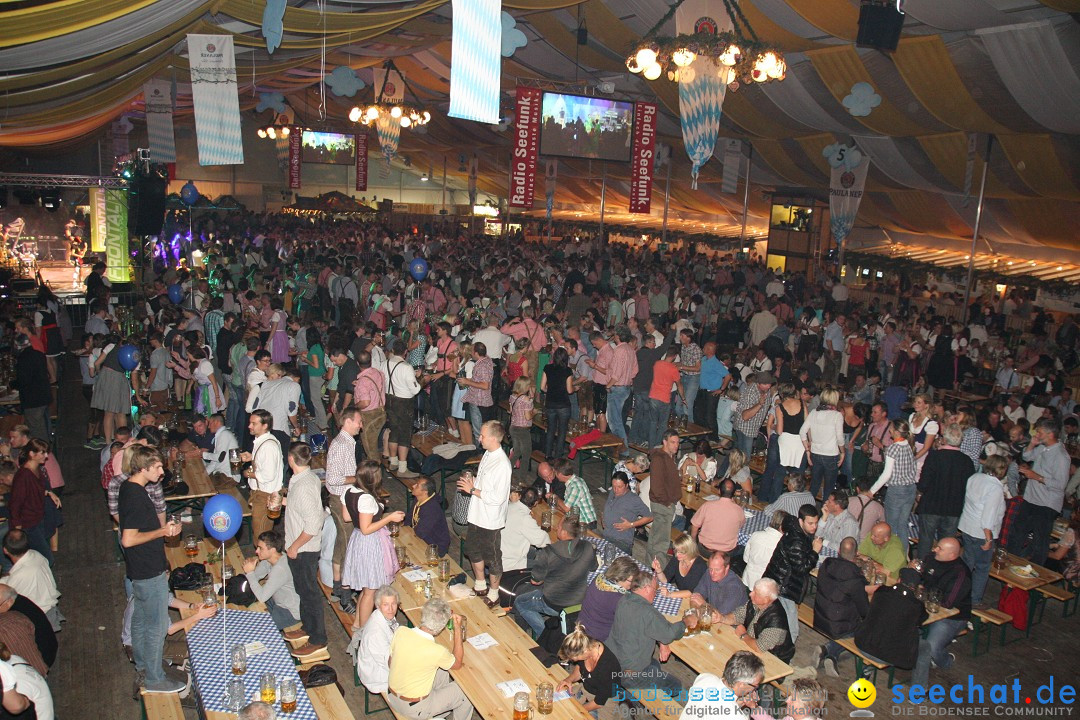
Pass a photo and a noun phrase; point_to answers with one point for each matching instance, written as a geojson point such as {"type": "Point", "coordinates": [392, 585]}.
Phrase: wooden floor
{"type": "Point", "coordinates": [93, 678]}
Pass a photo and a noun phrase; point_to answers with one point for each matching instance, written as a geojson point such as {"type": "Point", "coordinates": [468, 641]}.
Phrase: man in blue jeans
{"type": "Point", "coordinates": [561, 571]}
{"type": "Point", "coordinates": [620, 377]}
{"type": "Point", "coordinates": [142, 534]}
{"type": "Point", "coordinates": [754, 404]}
{"type": "Point", "coordinates": [946, 574]}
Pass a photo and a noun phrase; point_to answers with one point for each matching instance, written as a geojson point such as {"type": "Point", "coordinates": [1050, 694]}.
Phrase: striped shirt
{"type": "Point", "coordinates": [750, 397]}
{"type": "Point", "coordinates": [520, 405]}
{"type": "Point", "coordinates": [904, 470]}
{"type": "Point", "coordinates": [577, 496]}
{"type": "Point", "coordinates": [483, 372]}
{"type": "Point", "coordinates": [623, 365]}
{"type": "Point", "coordinates": [690, 355]}
{"type": "Point", "coordinates": [340, 463]}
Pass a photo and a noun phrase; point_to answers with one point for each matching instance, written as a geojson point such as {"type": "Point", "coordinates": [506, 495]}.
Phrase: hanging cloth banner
{"type": "Point", "coordinates": [361, 162]}
{"type": "Point", "coordinates": [295, 141]}
{"type": "Point", "coordinates": [476, 60]}
{"type": "Point", "coordinates": [214, 94]}
{"type": "Point", "coordinates": [551, 178]}
{"type": "Point", "coordinates": [98, 229]}
{"type": "Point", "coordinates": [526, 150]}
{"type": "Point", "coordinates": [283, 145]}
{"type": "Point", "coordinates": [474, 165]}
{"type": "Point", "coordinates": [644, 152]}
{"type": "Point", "coordinates": [732, 160]}
{"type": "Point", "coordinates": [157, 101]}
{"type": "Point", "coordinates": [969, 168]}
{"type": "Point", "coordinates": [701, 92]}
{"type": "Point", "coordinates": [116, 236]}
{"type": "Point", "coordinates": [390, 85]}
{"type": "Point", "coordinates": [845, 193]}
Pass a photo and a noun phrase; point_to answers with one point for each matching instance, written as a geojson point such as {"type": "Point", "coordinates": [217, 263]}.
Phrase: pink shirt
{"type": "Point", "coordinates": [719, 522]}
{"type": "Point", "coordinates": [623, 366]}
{"type": "Point", "coordinates": [603, 364]}
{"type": "Point", "coordinates": [368, 390]}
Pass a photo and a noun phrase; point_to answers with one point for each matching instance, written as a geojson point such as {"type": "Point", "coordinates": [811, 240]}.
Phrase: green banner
{"type": "Point", "coordinates": [97, 219]}
{"type": "Point", "coordinates": [118, 264]}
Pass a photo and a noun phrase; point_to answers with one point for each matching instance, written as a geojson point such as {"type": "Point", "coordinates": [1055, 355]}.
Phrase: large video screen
{"type": "Point", "coordinates": [326, 147]}
{"type": "Point", "coordinates": [588, 127]}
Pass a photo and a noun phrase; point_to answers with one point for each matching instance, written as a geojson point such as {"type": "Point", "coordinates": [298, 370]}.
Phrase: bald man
{"type": "Point", "coordinates": [547, 482]}
{"type": "Point", "coordinates": [884, 549]}
{"type": "Point", "coordinates": [946, 574]}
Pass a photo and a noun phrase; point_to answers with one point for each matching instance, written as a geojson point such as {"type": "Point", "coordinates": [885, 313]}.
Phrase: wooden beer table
{"type": "Point", "coordinates": [413, 598]}
{"type": "Point", "coordinates": [708, 651]}
{"type": "Point", "coordinates": [233, 557]}
{"type": "Point", "coordinates": [202, 487]}
{"type": "Point", "coordinates": [511, 659]}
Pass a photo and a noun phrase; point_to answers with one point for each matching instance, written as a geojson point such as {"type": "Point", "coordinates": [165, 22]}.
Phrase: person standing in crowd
{"type": "Point", "coordinates": [980, 522]}
{"type": "Point", "coordinates": [557, 382]}
{"type": "Point", "coordinates": [401, 389]}
{"type": "Point", "coordinates": [489, 494]}
{"type": "Point", "coordinates": [266, 474]}
{"type": "Point", "coordinates": [822, 434]}
{"type": "Point", "coordinates": [755, 401]}
{"type": "Point", "coordinates": [664, 493]}
{"type": "Point", "coordinates": [304, 519]}
{"type": "Point", "coordinates": [900, 473]}
{"type": "Point", "coordinates": [142, 536]}
{"type": "Point", "coordinates": [340, 476]}
{"type": "Point", "coordinates": [370, 559]}
{"type": "Point", "coordinates": [1047, 476]}
{"type": "Point", "coordinates": [621, 370]}
{"type": "Point", "coordinates": [941, 488]}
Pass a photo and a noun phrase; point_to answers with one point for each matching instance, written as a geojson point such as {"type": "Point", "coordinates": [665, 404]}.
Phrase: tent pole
{"type": "Point", "coordinates": [975, 232]}
{"type": "Point", "coordinates": [603, 199]}
{"type": "Point", "coordinates": [667, 198]}
{"type": "Point", "coordinates": [746, 197]}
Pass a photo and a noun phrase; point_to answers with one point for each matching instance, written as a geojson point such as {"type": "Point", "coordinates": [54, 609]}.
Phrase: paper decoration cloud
{"type": "Point", "coordinates": [344, 82]}
{"type": "Point", "coordinates": [273, 26]}
{"type": "Point", "coordinates": [512, 37]}
{"type": "Point", "coordinates": [862, 99]}
{"type": "Point", "coordinates": [843, 156]}
{"type": "Point", "coordinates": [122, 126]}
{"type": "Point", "coordinates": [271, 101]}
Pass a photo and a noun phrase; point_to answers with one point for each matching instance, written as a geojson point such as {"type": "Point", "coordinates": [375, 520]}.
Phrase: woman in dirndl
{"type": "Point", "coordinates": [112, 391]}
{"type": "Point", "coordinates": [370, 559]}
{"type": "Point", "coordinates": [209, 398]}
{"type": "Point", "coordinates": [278, 342]}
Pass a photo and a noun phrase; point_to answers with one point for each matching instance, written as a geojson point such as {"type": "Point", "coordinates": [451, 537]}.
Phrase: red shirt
{"type": "Point", "coordinates": [27, 501]}
{"type": "Point", "coordinates": [665, 374]}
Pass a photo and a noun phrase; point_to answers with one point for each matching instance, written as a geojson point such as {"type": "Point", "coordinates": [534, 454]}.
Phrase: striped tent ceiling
{"type": "Point", "coordinates": [1010, 68]}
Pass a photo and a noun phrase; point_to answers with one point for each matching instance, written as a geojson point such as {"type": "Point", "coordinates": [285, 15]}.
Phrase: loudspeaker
{"type": "Point", "coordinates": [880, 26]}
{"type": "Point", "coordinates": [146, 204]}
{"type": "Point", "coordinates": [386, 205]}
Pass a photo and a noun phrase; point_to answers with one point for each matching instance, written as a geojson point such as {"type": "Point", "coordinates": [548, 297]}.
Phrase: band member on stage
{"type": "Point", "coordinates": [76, 253]}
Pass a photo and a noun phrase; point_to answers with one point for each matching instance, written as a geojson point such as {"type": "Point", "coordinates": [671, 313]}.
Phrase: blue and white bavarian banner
{"type": "Point", "coordinates": [701, 91]}
{"type": "Point", "coordinates": [217, 105]}
{"type": "Point", "coordinates": [849, 168]}
{"type": "Point", "coordinates": [157, 101]}
{"type": "Point", "coordinates": [391, 87]}
{"type": "Point", "coordinates": [476, 60]}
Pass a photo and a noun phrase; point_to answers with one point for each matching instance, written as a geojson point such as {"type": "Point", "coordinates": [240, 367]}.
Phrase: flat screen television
{"type": "Point", "coordinates": [326, 147]}
{"type": "Point", "coordinates": [586, 127]}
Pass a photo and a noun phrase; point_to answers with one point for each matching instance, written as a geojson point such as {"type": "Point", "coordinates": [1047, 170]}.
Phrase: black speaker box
{"type": "Point", "coordinates": [146, 205]}
{"type": "Point", "coordinates": [880, 26]}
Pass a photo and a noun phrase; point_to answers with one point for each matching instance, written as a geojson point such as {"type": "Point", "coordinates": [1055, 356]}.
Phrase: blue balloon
{"type": "Point", "coordinates": [419, 268]}
{"type": "Point", "coordinates": [129, 357]}
{"type": "Point", "coordinates": [189, 193]}
{"type": "Point", "coordinates": [222, 517]}
{"type": "Point", "coordinates": [176, 294]}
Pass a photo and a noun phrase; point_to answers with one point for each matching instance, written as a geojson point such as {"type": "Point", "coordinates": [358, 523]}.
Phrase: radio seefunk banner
{"type": "Point", "coordinates": [644, 153]}
{"type": "Point", "coordinates": [526, 147]}
{"type": "Point", "coordinates": [296, 136]}
{"type": "Point", "coordinates": [361, 162]}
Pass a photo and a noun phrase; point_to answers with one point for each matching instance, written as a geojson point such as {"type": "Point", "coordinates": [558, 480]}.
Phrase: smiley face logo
{"type": "Point", "coordinates": [862, 693]}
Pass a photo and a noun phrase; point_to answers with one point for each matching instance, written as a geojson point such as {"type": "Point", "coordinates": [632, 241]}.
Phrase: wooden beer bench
{"type": "Point", "coordinates": [161, 706]}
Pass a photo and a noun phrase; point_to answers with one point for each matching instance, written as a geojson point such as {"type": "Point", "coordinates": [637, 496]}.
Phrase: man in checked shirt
{"type": "Point", "coordinates": [340, 474]}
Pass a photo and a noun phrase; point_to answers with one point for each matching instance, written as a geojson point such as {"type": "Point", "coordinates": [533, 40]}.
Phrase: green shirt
{"type": "Point", "coordinates": [891, 556]}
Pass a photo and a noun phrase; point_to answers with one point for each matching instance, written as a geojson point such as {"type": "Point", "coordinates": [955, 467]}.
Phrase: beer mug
{"type": "Point", "coordinates": [933, 601]}
{"type": "Point", "coordinates": [238, 660]}
{"type": "Point", "coordinates": [226, 573]}
{"type": "Point", "coordinates": [209, 596]}
{"type": "Point", "coordinates": [235, 695]}
{"type": "Point", "coordinates": [545, 697]}
{"type": "Point", "coordinates": [235, 463]}
{"type": "Point", "coordinates": [432, 555]}
{"type": "Point", "coordinates": [545, 520]}
{"type": "Point", "coordinates": [268, 688]}
{"type": "Point", "coordinates": [610, 553]}
{"type": "Point", "coordinates": [444, 570]}
{"type": "Point", "coordinates": [1000, 558]}
{"type": "Point", "coordinates": [522, 711]}
{"type": "Point", "coordinates": [288, 696]}
{"type": "Point", "coordinates": [273, 506]}
{"type": "Point", "coordinates": [191, 546]}
{"type": "Point", "coordinates": [399, 550]}
{"type": "Point", "coordinates": [175, 539]}
{"type": "Point", "coordinates": [690, 617]}
{"type": "Point", "coordinates": [393, 528]}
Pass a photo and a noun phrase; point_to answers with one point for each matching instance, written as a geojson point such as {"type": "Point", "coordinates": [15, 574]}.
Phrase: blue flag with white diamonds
{"type": "Point", "coordinates": [476, 60]}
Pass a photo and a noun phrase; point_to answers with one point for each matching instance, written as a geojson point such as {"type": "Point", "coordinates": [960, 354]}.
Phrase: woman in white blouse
{"type": "Point", "coordinates": [373, 653]}
{"type": "Point", "coordinates": [822, 434]}
{"type": "Point", "coordinates": [924, 429]}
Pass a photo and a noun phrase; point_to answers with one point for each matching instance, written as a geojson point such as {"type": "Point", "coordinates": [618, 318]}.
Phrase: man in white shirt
{"type": "Point", "coordinates": [265, 474]}
{"type": "Point", "coordinates": [836, 522]}
{"type": "Point", "coordinates": [304, 519]}
{"type": "Point", "coordinates": [280, 397]}
{"type": "Point", "coordinates": [401, 389]}
{"type": "Point", "coordinates": [490, 492]}
{"type": "Point", "coordinates": [217, 460]}
{"type": "Point", "coordinates": [31, 575]}
{"type": "Point", "coordinates": [980, 521]}
{"type": "Point", "coordinates": [521, 533]}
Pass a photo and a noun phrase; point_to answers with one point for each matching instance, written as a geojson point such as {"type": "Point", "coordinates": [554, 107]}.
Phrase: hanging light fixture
{"type": "Point", "coordinates": [273, 131]}
{"type": "Point", "coordinates": [738, 53]}
{"type": "Point", "coordinates": [406, 114]}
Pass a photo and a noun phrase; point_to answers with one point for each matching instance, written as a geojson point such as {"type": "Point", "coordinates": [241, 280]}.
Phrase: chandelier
{"type": "Point", "coordinates": [405, 113]}
{"type": "Point", "coordinates": [739, 56]}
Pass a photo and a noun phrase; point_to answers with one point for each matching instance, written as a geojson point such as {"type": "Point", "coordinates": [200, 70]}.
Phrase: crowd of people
{"type": "Point", "coordinates": [294, 335]}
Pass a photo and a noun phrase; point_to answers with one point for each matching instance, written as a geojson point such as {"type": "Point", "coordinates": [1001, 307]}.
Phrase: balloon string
{"type": "Point", "coordinates": [224, 639]}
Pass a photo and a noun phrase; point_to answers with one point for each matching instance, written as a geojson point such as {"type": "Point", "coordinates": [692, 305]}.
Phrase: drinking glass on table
{"type": "Point", "coordinates": [288, 696]}
{"type": "Point", "coordinates": [191, 546]}
{"type": "Point", "coordinates": [522, 711]}
{"type": "Point", "coordinates": [235, 694]}
{"type": "Point", "coordinates": [432, 555]}
{"type": "Point", "coordinates": [705, 622]}
{"type": "Point", "coordinates": [238, 659]}
{"type": "Point", "coordinates": [444, 570]}
{"type": "Point", "coordinates": [393, 528]}
{"type": "Point", "coordinates": [209, 595]}
{"type": "Point", "coordinates": [235, 462]}
{"type": "Point", "coordinates": [226, 573]}
{"type": "Point", "coordinates": [933, 601]}
{"type": "Point", "coordinates": [268, 688]}
{"type": "Point", "coordinates": [273, 506]}
{"type": "Point", "coordinates": [545, 520]}
{"type": "Point", "coordinates": [399, 550]}
{"type": "Point", "coordinates": [545, 697]}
